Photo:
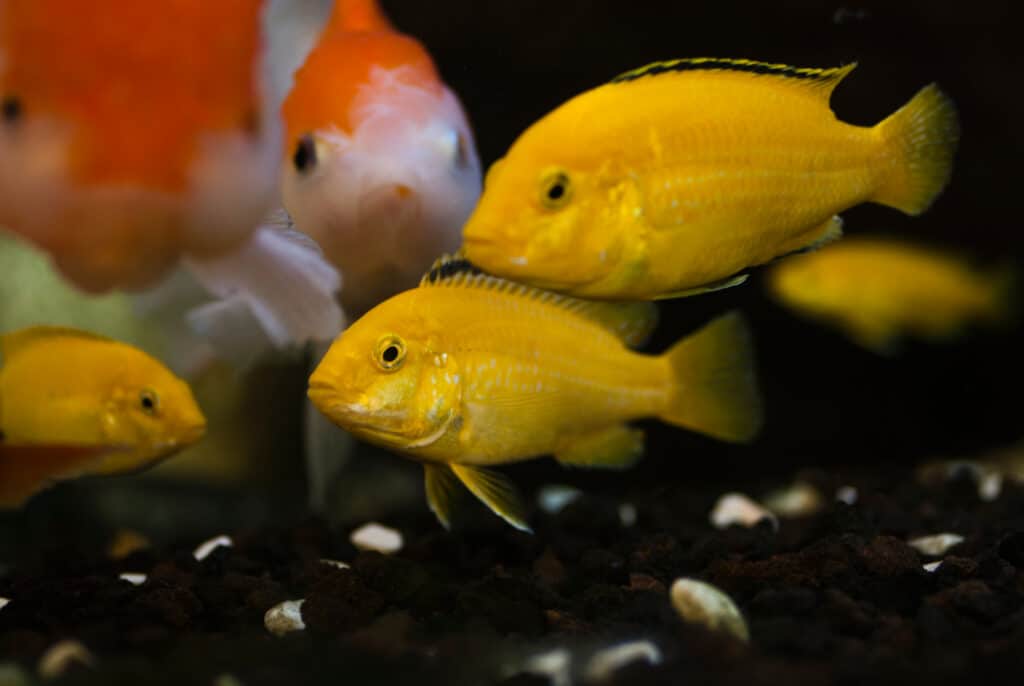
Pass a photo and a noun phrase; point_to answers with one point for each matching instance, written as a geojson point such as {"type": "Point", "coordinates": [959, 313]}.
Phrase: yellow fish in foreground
{"type": "Point", "coordinates": [469, 370]}
{"type": "Point", "coordinates": [675, 178]}
{"type": "Point", "coordinates": [879, 290]}
{"type": "Point", "coordinates": [73, 403]}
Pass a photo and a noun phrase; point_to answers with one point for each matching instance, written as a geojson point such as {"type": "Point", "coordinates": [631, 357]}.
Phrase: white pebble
{"type": "Point", "coordinates": [133, 578]}
{"type": "Point", "coordinates": [847, 494]}
{"type": "Point", "coordinates": [795, 501]}
{"type": "Point", "coordinates": [555, 665]}
{"type": "Point", "coordinates": [377, 537]}
{"type": "Point", "coordinates": [554, 498]}
{"type": "Point", "coordinates": [204, 549]}
{"type": "Point", "coordinates": [58, 657]}
{"type": "Point", "coordinates": [736, 508]}
{"type": "Point", "coordinates": [285, 617]}
{"type": "Point", "coordinates": [990, 486]}
{"type": "Point", "coordinates": [3, 602]}
{"type": "Point", "coordinates": [627, 514]}
{"type": "Point", "coordinates": [698, 602]}
{"type": "Point", "coordinates": [931, 566]}
{"type": "Point", "coordinates": [935, 545]}
{"type": "Point", "coordinates": [335, 563]}
{"type": "Point", "coordinates": [610, 660]}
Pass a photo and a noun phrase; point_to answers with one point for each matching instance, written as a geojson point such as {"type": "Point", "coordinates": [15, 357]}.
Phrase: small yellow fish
{"type": "Point", "coordinates": [73, 403]}
{"type": "Point", "coordinates": [674, 178]}
{"type": "Point", "coordinates": [470, 370]}
{"type": "Point", "coordinates": [880, 290]}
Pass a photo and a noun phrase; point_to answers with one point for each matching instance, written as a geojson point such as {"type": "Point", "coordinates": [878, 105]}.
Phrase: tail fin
{"type": "Point", "coordinates": [280, 282]}
{"type": "Point", "coordinates": [353, 16]}
{"type": "Point", "coordinates": [922, 137]}
{"type": "Point", "coordinates": [715, 385]}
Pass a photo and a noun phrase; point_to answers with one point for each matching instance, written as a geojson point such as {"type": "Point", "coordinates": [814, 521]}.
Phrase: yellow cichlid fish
{"type": "Point", "coordinates": [880, 290]}
{"type": "Point", "coordinates": [675, 178]}
{"type": "Point", "coordinates": [73, 403]}
{"type": "Point", "coordinates": [469, 371]}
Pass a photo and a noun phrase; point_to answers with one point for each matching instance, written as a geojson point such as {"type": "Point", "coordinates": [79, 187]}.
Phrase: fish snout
{"type": "Point", "coordinates": [193, 432]}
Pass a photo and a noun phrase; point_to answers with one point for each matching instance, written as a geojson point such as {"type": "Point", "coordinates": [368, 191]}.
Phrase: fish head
{"type": "Point", "coordinates": [149, 410]}
{"type": "Point", "coordinates": [384, 380]}
{"type": "Point", "coordinates": [544, 219]}
{"type": "Point", "coordinates": [386, 189]}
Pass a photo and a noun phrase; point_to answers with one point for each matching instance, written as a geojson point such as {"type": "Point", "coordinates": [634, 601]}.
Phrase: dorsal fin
{"type": "Point", "coordinates": [631, 322]}
{"type": "Point", "coordinates": [822, 81]}
{"type": "Point", "coordinates": [15, 341]}
{"type": "Point", "coordinates": [354, 16]}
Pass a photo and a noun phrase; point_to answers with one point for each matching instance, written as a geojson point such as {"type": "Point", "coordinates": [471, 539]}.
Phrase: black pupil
{"type": "Point", "coordinates": [305, 154]}
{"type": "Point", "coordinates": [557, 190]}
{"type": "Point", "coordinates": [11, 108]}
{"type": "Point", "coordinates": [147, 402]}
{"type": "Point", "coordinates": [390, 353]}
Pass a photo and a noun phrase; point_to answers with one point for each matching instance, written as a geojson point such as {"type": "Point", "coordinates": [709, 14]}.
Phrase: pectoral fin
{"type": "Point", "coordinates": [442, 488]}
{"type": "Point", "coordinates": [707, 288]}
{"type": "Point", "coordinates": [617, 447]}
{"type": "Point", "coordinates": [27, 469]}
{"type": "Point", "coordinates": [496, 492]}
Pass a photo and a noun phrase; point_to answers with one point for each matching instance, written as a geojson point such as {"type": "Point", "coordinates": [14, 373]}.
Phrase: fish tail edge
{"type": "Point", "coordinates": [921, 137]}
{"type": "Point", "coordinates": [714, 383]}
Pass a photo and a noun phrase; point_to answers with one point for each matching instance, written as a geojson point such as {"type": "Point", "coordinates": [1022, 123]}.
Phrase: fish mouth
{"type": "Point", "coordinates": [192, 433]}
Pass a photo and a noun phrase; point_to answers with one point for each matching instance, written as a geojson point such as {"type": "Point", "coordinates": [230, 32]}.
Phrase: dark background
{"type": "Point", "coordinates": [826, 400]}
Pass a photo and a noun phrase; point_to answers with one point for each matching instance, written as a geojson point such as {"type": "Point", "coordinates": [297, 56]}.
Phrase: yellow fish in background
{"type": "Point", "coordinates": [675, 178]}
{"type": "Point", "coordinates": [880, 290]}
{"type": "Point", "coordinates": [73, 403]}
{"type": "Point", "coordinates": [469, 371]}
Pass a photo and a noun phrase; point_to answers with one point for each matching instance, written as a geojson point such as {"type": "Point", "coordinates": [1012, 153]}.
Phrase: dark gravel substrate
{"type": "Point", "coordinates": [837, 596]}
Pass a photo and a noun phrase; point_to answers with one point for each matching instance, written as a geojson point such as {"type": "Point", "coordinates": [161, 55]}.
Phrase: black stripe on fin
{"type": "Point", "coordinates": [448, 266]}
{"type": "Point", "coordinates": [830, 76]}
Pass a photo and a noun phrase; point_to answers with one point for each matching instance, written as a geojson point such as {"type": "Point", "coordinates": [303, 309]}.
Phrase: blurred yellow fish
{"type": "Point", "coordinates": [880, 290]}
{"type": "Point", "coordinates": [470, 370]}
{"type": "Point", "coordinates": [674, 178]}
{"type": "Point", "coordinates": [73, 403]}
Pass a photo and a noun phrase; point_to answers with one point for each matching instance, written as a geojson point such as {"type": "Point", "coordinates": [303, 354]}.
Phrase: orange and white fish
{"type": "Point", "coordinates": [134, 136]}
{"type": "Point", "coordinates": [880, 290]}
{"type": "Point", "coordinates": [381, 168]}
{"type": "Point", "coordinates": [675, 178]}
{"type": "Point", "coordinates": [469, 371]}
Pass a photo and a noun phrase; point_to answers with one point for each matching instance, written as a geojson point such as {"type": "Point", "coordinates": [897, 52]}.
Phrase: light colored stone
{"type": "Point", "coordinates": [374, 536]}
{"type": "Point", "coordinates": [936, 545]}
{"type": "Point", "coordinates": [335, 563]}
{"type": "Point", "coordinates": [795, 501]}
{"type": "Point", "coordinates": [132, 578]}
{"type": "Point", "coordinates": [931, 566]}
{"type": "Point", "coordinates": [3, 602]}
{"type": "Point", "coordinates": [990, 486]}
{"type": "Point", "coordinates": [627, 514]}
{"type": "Point", "coordinates": [847, 494]}
{"type": "Point", "coordinates": [205, 548]}
{"type": "Point", "coordinates": [736, 508]}
{"type": "Point", "coordinates": [604, 663]}
{"type": "Point", "coordinates": [285, 617]}
{"type": "Point", "coordinates": [698, 602]}
{"type": "Point", "coordinates": [58, 657]}
{"type": "Point", "coordinates": [556, 665]}
{"type": "Point", "coordinates": [553, 498]}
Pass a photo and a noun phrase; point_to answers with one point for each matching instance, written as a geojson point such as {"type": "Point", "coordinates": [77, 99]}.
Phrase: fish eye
{"type": "Point", "coordinates": [305, 154]}
{"type": "Point", "coordinates": [149, 401]}
{"type": "Point", "coordinates": [390, 353]}
{"type": "Point", "coordinates": [11, 108]}
{"type": "Point", "coordinates": [555, 189]}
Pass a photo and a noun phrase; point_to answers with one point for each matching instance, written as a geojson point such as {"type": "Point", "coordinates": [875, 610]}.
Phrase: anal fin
{"type": "Point", "coordinates": [442, 489]}
{"type": "Point", "coordinates": [818, 237]}
{"type": "Point", "coordinates": [616, 447]}
{"type": "Point", "coordinates": [496, 492]}
{"type": "Point", "coordinates": [27, 469]}
{"type": "Point", "coordinates": [719, 285]}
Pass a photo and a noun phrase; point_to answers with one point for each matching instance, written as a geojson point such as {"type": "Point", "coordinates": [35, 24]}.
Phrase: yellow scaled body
{"type": "Point", "coordinates": [677, 177]}
{"type": "Point", "coordinates": [468, 371]}
{"type": "Point", "coordinates": [73, 403]}
{"type": "Point", "coordinates": [880, 290]}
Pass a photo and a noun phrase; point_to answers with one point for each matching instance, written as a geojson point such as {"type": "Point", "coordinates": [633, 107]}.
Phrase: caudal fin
{"type": "Point", "coordinates": [921, 139]}
{"type": "Point", "coordinates": [280, 283]}
{"type": "Point", "coordinates": [715, 390]}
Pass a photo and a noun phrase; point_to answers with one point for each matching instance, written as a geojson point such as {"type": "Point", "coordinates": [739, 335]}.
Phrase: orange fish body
{"type": "Point", "coordinates": [380, 166]}
{"type": "Point", "coordinates": [134, 136]}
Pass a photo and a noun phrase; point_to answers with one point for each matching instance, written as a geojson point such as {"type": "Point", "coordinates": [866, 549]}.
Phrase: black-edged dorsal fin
{"type": "Point", "coordinates": [631, 322]}
{"type": "Point", "coordinates": [822, 81]}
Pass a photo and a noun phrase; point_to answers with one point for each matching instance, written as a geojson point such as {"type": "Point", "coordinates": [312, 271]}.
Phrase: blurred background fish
{"type": "Point", "coordinates": [674, 178]}
{"type": "Point", "coordinates": [136, 136]}
{"type": "Point", "coordinates": [880, 290]}
{"type": "Point", "coordinates": [381, 168]}
{"type": "Point", "coordinates": [73, 403]}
